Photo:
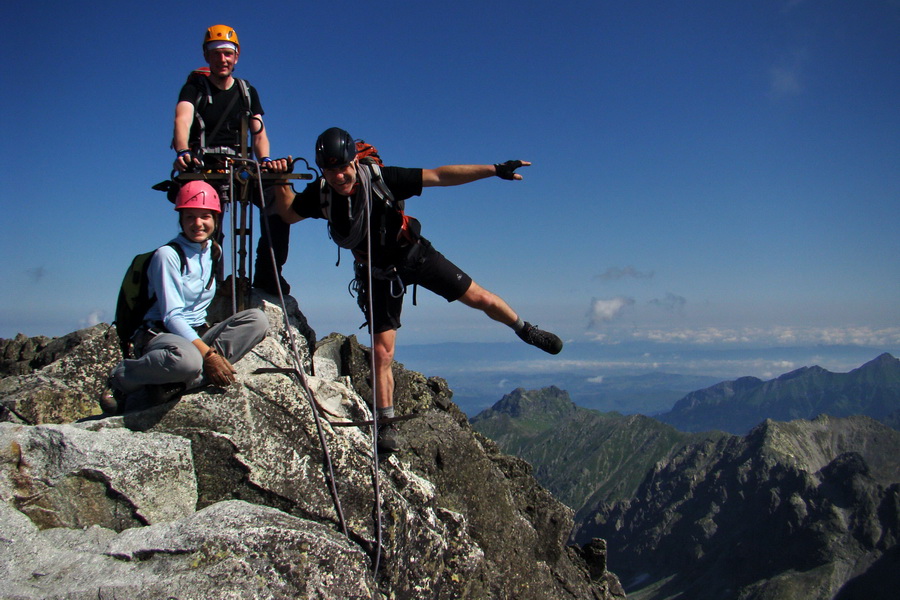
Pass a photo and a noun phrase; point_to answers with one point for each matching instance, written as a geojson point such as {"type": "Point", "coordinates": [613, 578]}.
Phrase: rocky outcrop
{"type": "Point", "coordinates": [22, 354]}
{"type": "Point", "coordinates": [227, 493]}
{"type": "Point", "coordinates": [798, 510]}
{"type": "Point", "coordinates": [66, 384]}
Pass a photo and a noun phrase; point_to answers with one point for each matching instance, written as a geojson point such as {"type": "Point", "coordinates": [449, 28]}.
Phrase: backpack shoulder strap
{"type": "Point", "coordinates": [381, 190]}
{"type": "Point", "coordinates": [325, 198]}
{"type": "Point", "coordinates": [216, 256]}
{"type": "Point", "coordinates": [182, 257]}
{"type": "Point", "coordinates": [205, 95]}
{"type": "Point", "coordinates": [245, 93]}
{"type": "Point", "coordinates": [203, 99]}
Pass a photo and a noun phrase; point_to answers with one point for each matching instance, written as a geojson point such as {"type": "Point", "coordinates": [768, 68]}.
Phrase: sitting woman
{"type": "Point", "coordinates": [175, 349]}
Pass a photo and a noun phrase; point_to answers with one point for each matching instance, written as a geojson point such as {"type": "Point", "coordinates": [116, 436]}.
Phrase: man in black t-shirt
{"type": "Point", "coordinates": [214, 114]}
{"type": "Point", "coordinates": [400, 256]}
{"type": "Point", "coordinates": [208, 116]}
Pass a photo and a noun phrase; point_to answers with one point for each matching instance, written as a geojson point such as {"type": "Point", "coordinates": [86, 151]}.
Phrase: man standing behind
{"type": "Point", "coordinates": [208, 115]}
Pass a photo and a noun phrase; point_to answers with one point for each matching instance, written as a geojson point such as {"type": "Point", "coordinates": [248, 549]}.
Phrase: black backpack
{"type": "Point", "coordinates": [134, 295]}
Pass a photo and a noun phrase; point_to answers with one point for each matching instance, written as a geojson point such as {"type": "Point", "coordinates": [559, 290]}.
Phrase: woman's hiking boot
{"type": "Point", "coordinates": [546, 341]}
{"type": "Point", "coordinates": [112, 399]}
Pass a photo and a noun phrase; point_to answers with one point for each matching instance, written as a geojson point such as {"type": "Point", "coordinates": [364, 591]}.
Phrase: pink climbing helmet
{"type": "Point", "coordinates": [198, 194]}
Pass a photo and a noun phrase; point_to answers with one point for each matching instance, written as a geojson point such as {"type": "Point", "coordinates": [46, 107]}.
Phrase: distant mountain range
{"type": "Point", "coordinates": [648, 393]}
{"type": "Point", "coordinates": [791, 511]}
{"type": "Point", "coordinates": [737, 406]}
{"type": "Point", "coordinates": [630, 378]}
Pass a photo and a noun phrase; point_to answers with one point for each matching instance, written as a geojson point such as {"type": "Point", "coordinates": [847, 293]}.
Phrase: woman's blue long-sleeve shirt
{"type": "Point", "coordinates": [181, 298]}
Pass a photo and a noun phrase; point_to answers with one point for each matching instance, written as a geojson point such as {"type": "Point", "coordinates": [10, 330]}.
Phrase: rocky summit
{"type": "Point", "coordinates": [230, 493]}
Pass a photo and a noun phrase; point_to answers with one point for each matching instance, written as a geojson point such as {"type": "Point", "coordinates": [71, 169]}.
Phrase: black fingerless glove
{"type": "Point", "coordinates": [507, 170]}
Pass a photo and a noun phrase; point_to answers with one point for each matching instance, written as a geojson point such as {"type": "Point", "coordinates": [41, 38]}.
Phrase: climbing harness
{"type": "Point", "coordinates": [359, 285]}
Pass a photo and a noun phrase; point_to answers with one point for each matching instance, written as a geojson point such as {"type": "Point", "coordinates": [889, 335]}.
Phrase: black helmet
{"type": "Point", "coordinates": [334, 149]}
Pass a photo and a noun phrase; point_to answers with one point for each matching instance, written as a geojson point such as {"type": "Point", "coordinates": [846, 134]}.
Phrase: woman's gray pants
{"type": "Point", "coordinates": [170, 358]}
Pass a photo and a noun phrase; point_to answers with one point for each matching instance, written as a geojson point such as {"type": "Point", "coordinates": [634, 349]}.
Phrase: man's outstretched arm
{"type": "Point", "coordinates": [460, 174]}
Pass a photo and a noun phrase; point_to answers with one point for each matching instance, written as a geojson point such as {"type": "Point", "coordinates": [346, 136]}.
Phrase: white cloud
{"type": "Point", "coordinates": [602, 311]}
{"type": "Point", "coordinates": [93, 318]}
{"type": "Point", "coordinates": [777, 336]}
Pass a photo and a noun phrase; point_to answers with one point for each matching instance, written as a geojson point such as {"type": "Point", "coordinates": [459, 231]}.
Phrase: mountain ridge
{"type": "Point", "coordinates": [791, 506]}
{"type": "Point", "coordinates": [583, 456]}
{"type": "Point", "coordinates": [737, 406]}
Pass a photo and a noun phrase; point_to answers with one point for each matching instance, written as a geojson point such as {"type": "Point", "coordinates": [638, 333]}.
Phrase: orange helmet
{"type": "Point", "coordinates": [221, 33]}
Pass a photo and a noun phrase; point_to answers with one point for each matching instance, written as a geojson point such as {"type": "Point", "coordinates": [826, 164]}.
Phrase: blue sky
{"type": "Point", "coordinates": [704, 172]}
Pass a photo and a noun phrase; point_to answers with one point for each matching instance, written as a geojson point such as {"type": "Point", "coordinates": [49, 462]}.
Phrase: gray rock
{"type": "Point", "coordinates": [228, 550]}
{"type": "Point", "coordinates": [71, 476]}
{"type": "Point", "coordinates": [22, 355]}
{"type": "Point", "coordinates": [454, 519]}
{"type": "Point", "coordinates": [66, 389]}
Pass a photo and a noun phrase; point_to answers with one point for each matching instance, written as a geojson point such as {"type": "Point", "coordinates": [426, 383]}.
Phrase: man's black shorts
{"type": "Point", "coordinates": [428, 268]}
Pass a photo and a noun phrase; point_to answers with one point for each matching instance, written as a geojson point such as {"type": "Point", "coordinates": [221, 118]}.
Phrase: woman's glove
{"type": "Point", "coordinates": [217, 368]}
